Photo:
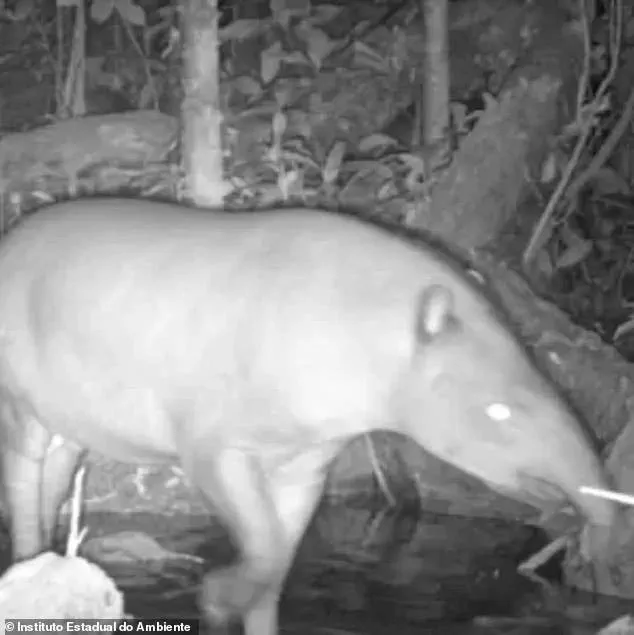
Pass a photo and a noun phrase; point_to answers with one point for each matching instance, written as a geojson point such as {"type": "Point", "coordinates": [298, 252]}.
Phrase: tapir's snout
{"type": "Point", "coordinates": [549, 496]}
{"type": "Point", "coordinates": [568, 462]}
{"type": "Point", "coordinates": [575, 464]}
{"type": "Point", "coordinates": [537, 452]}
{"type": "Point", "coordinates": [548, 445]}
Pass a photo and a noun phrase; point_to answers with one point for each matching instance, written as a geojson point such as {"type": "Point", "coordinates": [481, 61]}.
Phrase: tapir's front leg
{"type": "Point", "coordinates": [37, 472]}
{"type": "Point", "coordinates": [267, 517]}
{"type": "Point", "coordinates": [22, 477]}
{"type": "Point", "coordinates": [24, 446]}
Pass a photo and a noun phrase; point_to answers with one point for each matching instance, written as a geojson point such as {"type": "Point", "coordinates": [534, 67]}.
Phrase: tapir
{"type": "Point", "coordinates": [249, 348]}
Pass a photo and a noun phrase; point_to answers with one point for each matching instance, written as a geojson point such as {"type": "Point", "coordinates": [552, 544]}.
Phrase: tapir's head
{"type": "Point", "coordinates": [476, 400]}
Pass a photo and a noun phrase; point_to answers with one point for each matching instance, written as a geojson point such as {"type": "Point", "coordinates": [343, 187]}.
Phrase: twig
{"type": "Point", "coordinates": [543, 555]}
{"type": "Point", "coordinates": [626, 499]}
{"type": "Point", "coordinates": [540, 234]}
{"type": "Point", "coordinates": [374, 527]}
{"type": "Point", "coordinates": [606, 149]}
{"type": "Point", "coordinates": [75, 536]}
{"type": "Point", "coordinates": [582, 88]}
{"type": "Point", "coordinates": [144, 62]}
{"type": "Point", "coordinates": [380, 477]}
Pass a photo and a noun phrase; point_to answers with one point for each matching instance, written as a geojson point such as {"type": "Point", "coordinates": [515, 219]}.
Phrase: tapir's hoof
{"type": "Point", "coordinates": [231, 592]}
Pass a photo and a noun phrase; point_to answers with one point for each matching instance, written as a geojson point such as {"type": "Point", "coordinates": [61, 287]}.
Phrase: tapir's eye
{"type": "Point", "coordinates": [498, 412]}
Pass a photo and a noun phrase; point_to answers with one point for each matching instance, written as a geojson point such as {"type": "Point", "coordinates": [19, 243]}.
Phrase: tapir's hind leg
{"type": "Point", "coordinates": [60, 465]}
{"type": "Point", "coordinates": [267, 517]}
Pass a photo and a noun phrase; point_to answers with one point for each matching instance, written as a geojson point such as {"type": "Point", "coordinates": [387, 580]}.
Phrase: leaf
{"type": "Point", "coordinates": [489, 101]}
{"type": "Point", "coordinates": [298, 158]}
{"type": "Point", "coordinates": [629, 28]}
{"type": "Point", "coordinates": [574, 254]}
{"type": "Point", "coordinates": [130, 12]}
{"type": "Point", "coordinates": [361, 27]}
{"type": "Point", "coordinates": [146, 97]}
{"type": "Point", "coordinates": [259, 111]}
{"type": "Point", "coordinates": [283, 94]}
{"type": "Point", "coordinates": [458, 114]}
{"type": "Point", "coordinates": [378, 170]}
{"type": "Point", "coordinates": [94, 64]}
{"type": "Point", "coordinates": [333, 162]}
{"type": "Point", "coordinates": [101, 10]}
{"type": "Point", "coordinates": [324, 13]}
{"type": "Point", "coordinates": [269, 194]}
{"type": "Point", "coordinates": [376, 140]}
{"type": "Point", "coordinates": [23, 9]}
{"type": "Point", "coordinates": [283, 18]}
{"type": "Point", "coordinates": [549, 169]}
{"type": "Point", "coordinates": [624, 329]}
{"type": "Point", "coordinates": [418, 170]}
{"type": "Point", "coordinates": [415, 162]}
{"type": "Point", "coordinates": [241, 30]}
{"type": "Point", "coordinates": [543, 264]}
{"type": "Point", "coordinates": [290, 183]}
{"type": "Point", "coordinates": [289, 5]}
{"type": "Point", "coordinates": [283, 10]}
{"type": "Point", "coordinates": [366, 57]}
{"type": "Point", "coordinates": [270, 62]}
{"type": "Point", "coordinates": [319, 45]}
{"type": "Point", "coordinates": [295, 57]}
{"type": "Point", "coordinates": [608, 181]}
{"type": "Point", "coordinates": [246, 86]}
{"type": "Point", "coordinates": [279, 124]}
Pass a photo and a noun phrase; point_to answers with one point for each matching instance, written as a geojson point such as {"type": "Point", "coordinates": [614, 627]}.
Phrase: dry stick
{"type": "Point", "coordinates": [606, 149]}
{"type": "Point", "coordinates": [619, 497]}
{"type": "Point", "coordinates": [376, 467]}
{"type": "Point", "coordinates": [539, 234]}
{"type": "Point", "coordinates": [615, 36]}
{"type": "Point", "coordinates": [75, 536]}
{"type": "Point", "coordinates": [616, 32]}
{"type": "Point", "coordinates": [127, 27]}
{"type": "Point", "coordinates": [584, 80]}
{"type": "Point", "coordinates": [545, 554]}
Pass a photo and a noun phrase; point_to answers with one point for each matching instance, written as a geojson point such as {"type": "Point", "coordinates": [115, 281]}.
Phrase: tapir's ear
{"type": "Point", "coordinates": [435, 311]}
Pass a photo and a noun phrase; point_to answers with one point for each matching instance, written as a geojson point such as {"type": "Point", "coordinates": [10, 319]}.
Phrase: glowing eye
{"type": "Point", "coordinates": [498, 411]}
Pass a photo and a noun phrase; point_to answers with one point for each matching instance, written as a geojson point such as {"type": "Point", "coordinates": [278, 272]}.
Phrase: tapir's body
{"type": "Point", "coordinates": [249, 347]}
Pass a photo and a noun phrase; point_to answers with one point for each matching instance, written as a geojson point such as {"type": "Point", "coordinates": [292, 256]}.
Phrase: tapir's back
{"type": "Point", "coordinates": [125, 310]}
{"type": "Point", "coordinates": [136, 270]}
{"type": "Point", "coordinates": [130, 244]}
